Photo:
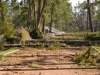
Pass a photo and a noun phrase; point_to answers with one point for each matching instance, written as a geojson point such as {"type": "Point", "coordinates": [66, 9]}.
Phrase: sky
{"type": "Point", "coordinates": [74, 2]}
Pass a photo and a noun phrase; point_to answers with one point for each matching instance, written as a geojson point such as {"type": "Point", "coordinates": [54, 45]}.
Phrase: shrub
{"type": "Point", "coordinates": [36, 34]}
{"type": "Point", "coordinates": [54, 46]}
{"type": "Point", "coordinates": [42, 46]}
{"type": "Point", "coordinates": [94, 36]}
{"type": "Point", "coordinates": [14, 39]}
{"type": "Point", "coordinates": [2, 41]}
{"type": "Point", "coordinates": [10, 40]}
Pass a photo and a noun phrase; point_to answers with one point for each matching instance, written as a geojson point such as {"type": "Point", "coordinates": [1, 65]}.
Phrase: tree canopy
{"type": "Point", "coordinates": [36, 14]}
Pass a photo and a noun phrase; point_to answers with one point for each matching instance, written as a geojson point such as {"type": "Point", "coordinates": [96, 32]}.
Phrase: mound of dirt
{"type": "Point", "coordinates": [25, 34]}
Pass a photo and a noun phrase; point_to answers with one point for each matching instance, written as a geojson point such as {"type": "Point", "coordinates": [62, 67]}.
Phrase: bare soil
{"type": "Point", "coordinates": [44, 62]}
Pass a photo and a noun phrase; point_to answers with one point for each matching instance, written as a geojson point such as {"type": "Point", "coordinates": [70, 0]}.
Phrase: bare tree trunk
{"type": "Point", "coordinates": [87, 21]}
{"type": "Point", "coordinates": [43, 29]}
{"type": "Point", "coordinates": [29, 14]}
{"type": "Point", "coordinates": [51, 19]}
{"type": "Point", "coordinates": [35, 17]}
{"type": "Point", "coordinates": [89, 15]}
{"type": "Point", "coordinates": [40, 11]}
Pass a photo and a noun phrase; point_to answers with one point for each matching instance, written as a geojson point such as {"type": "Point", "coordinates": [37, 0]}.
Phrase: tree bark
{"type": "Point", "coordinates": [29, 14]}
{"type": "Point", "coordinates": [43, 29]}
{"type": "Point", "coordinates": [89, 15]}
{"type": "Point", "coordinates": [87, 21]}
{"type": "Point", "coordinates": [51, 19]}
{"type": "Point", "coordinates": [40, 11]}
{"type": "Point", "coordinates": [35, 17]}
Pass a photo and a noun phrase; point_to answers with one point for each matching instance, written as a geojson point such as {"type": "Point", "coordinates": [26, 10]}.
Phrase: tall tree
{"type": "Point", "coordinates": [41, 7]}
{"type": "Point", "coordinates": [6, 24]}
{"type": "Point", "coordinates": [29, 18]}
{"type": "Point", "coordinates": [52, 13]}
{"type": "Point", "coordinates": [2, 11]}
{"type": "Point", "coordinates": [89, 15]}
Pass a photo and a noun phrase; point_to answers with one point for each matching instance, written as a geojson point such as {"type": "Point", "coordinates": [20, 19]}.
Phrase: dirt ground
{"type": "Point", "coordinates": [33, 61]}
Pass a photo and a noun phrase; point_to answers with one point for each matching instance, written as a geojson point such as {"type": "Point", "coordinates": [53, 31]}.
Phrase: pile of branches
{"type": "Point", "coordinates": [90, 57]}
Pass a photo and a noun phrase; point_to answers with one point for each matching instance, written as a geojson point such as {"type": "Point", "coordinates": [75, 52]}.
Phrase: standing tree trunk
{"type": "Point", "coordinates": [39, 13]}
{"type": "Point", "coordinates": [41, 6]}
{"type": "Point", "coordinates": [43, 29]}
{"type": "Point", "coordinates": [89, 15]}
{"type": "Point", "coordinates": [51, 18]}
{"type": "Point", "coordinates": [87, 22]}
{"type": "Point", "coordinates": [35, 17]}
{"type": "Point", "coordinates": [29, 14]}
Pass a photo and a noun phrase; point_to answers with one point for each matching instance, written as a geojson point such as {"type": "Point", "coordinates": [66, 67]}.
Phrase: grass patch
{"type": "Point", "coordinates": [71, 36]}
{"type": "Point", "coordinates": [2, 52]}
{"type": "Point", "coordinates": [54, 46]}
{"type": "Point", "coordinates": [78, 36]}
{"type": "Point", "coordinates": [2, 58]}
{"type": "Point", "coordinates": [67, 46]}
{"type": "Point", "coordinates": [98, 47]}
{"type": "Point", "coordinates": [32, 64]}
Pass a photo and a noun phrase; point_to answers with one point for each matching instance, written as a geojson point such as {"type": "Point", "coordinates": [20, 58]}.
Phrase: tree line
{"type": "Point", "coordinates": [36, 14]}
{"type": "Point", "coordinates": [87, 16]}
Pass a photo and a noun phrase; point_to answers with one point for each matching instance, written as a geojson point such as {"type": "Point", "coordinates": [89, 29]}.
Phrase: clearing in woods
{"type": "Point", "coordinates": [33, 61]}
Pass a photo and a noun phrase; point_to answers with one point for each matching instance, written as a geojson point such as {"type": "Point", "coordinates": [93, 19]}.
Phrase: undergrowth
{"type": "Point", "coordinates": [54, 46]}
{"type": "Point", "coordinates": [93, 36]}
{"type": "Point", "coordinates": [87, 57]}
